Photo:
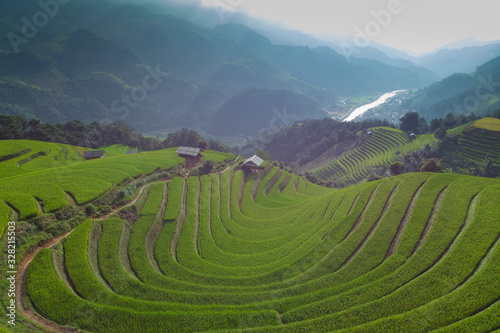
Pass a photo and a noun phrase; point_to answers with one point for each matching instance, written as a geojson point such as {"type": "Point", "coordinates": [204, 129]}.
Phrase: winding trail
{"type": "Point", "coordinates": [23, 266]}
{"type": "Point", "coordinates": [43, 323]}
{"type": "Point", "coordinates": [20, 292]}
{"type": "Point", "coordinates": [125, 206]}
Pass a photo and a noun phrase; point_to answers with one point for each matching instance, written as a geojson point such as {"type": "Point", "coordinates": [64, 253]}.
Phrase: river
{"type": "Point", "coordinates": [362, 109]}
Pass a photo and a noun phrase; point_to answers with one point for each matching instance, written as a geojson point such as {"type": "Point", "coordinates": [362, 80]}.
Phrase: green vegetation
{"type": "Point", "coordinates": [115, 138]}
{"type": "Point", "coordinates": [4, 216]}
{"type": "Point", "coordinates": [383, 147]}
{"type": "Point", "coordinates": [174, 199]}
{"type": "Point", "coordinates": [479, 140]}
{"type": "Point", "coordinates": [305, 141]}
{"type": "Point", "coordinates": [217, 157]}
{"type": "Point", "coordinates": [113, 150]}
{"type": "Point", "coordinates": [335, 154]}
{"type": "Point", "coordinates": [154, 198]}
{"type": "Point", "coordinates": [272, 252]}
{"type": "Point", "coordinates": [490, 124]}
{"type": "Point", "coordinates": [60, 177]}
{"type": "Point", "coordinates": [354, 102]}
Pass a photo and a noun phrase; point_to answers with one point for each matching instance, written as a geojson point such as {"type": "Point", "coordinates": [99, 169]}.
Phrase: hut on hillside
{"type": "Point", "coordinates": [131, 152]}
{"type": "Point", "coordinates": [191, 155]}
{"type": "Point", "coordinates": [91, 155]}
{"type": "Point", "coordinates": [253, 164]}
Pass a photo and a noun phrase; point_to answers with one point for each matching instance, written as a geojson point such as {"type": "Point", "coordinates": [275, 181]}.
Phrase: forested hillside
{"type": "Point", "coordinates": [99, 61]}
{"type": "Point", "coordinates": [339, 154]}
{"type": "Point", "coordinates": [476, 93]}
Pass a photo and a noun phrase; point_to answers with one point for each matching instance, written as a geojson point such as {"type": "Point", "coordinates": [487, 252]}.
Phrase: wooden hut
{"type": "Point", "coordinates": [191, 155]}
{"type": "Point", "coordinates": [91, 155]}
{"type": "Point", "coordinates": [253, 164]}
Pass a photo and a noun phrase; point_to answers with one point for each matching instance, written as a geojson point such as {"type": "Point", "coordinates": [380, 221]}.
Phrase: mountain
{"type": "Point", "coordinates": [177, 45]}
{"type": "Point", "coordinates": [82, 52]}
{"type": "Point", "coordinates": [476, 93]}
{"type": "Point", "coordinates": [255, 110]}
{"type": "Point", "coordinates": [94, 63]}
{"type": "Point", "coordinates": [280, 35]}
{"type": "Point", "coordinates": [376, 54]}
{"type": "Point", "coordinates": [460, 44]}
{"type": "Point", "coordinates": [448, 61]}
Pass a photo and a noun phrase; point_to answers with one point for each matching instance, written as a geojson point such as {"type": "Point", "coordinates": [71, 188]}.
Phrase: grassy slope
{"type": "Point", "coordinates": [479, 139]}
{"type": "Point", "coordinates": [34, 173]}
{"type": "Point", "coordinates": [279, 256]}
{"type": "Point", "coordinates": [37, 177]}
{"type": "Point", "coordinates": [381, 148]}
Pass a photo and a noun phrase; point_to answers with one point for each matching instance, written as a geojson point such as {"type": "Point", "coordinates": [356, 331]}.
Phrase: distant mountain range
{"type": "Point", "coordinates": [448, 61]}
{"type": "Point", "coordinates": [477, 93]}
{"type": "Point", "coordinates": [100, 61]}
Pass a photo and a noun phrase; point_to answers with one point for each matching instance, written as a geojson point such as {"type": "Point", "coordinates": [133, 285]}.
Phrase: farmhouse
{"type": "Point", "coordinates": [252, 164]}
{"type": "Point", "coordinates": [131, 152]}
{"type": "Point", "coordinates": [90, 155]}
{"type": "Point", "coordinates": [192, 156]}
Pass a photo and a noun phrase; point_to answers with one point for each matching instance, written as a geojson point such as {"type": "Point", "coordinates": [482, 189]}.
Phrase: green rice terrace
{"type": "Point", "coordinates": [480, 139]}
{"type": "Point", "coordinates": [383, 147]}
{"type": "Point", "coordinates": [254, 252]}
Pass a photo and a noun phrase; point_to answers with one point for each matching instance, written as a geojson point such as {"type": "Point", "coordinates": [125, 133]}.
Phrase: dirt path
{"type": "Point", "coordinates": [47, 325]}
{"type": "Point", "coordinates": [125, 206]}
{"type": "Point", "coordinates": [23, 266]}
{"type": "Point", "coordinates": [20, 292]}
{"type": "Point", "coordinates": [229, 165]}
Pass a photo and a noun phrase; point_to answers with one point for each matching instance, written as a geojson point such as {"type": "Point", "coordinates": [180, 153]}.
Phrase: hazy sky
{"type": "Point", "coordinates": [418, 26]}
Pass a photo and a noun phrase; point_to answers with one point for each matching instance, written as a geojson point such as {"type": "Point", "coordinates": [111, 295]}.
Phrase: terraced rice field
{"type": "Point", "coordinates": [479, 140]}
{"type": "Point", "coordinates": [274, 253]}
{"type": "Point", "coordinates": [490, 124]}
{"type": "Point", "coordinates": [383, 147]}
{"type": "Point", "coordinates": [113, 150]}
{"type": "Point", "coordinates": [217, 156]}
{"type": "Point", "coordinates": [39, 177]}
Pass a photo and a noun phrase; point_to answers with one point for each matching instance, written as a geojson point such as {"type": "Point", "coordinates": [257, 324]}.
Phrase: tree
{"type": "Point", "coordinates": [206, 167]}
{"type": "Point", "coordinates": [410, 122]}
{"type": "Point", "coordinates": [432, 166]}
{"type": "Point", "coordinates": [450, 121]}
{"type": "Point", "coordinates": [434, 125]}
{"type": "Point", "coordinates": [422, 126]}
{"type": "Point", "coordinates": [397, 168]}
{"type": "Point", "coordinates": [218, 146]}
{"type": "Point", "coordinates": [12, 127]}
{"type": "Point", "coordinates": [264, 154]}
{"type": "Point", "coordinates": [202, 144]}
{"type": "Point", "coordinates": [183, 137]}
{"type": "Point", "coordinates": [487, 168]}
{"type": "Point", "coordinates": [440, 133]}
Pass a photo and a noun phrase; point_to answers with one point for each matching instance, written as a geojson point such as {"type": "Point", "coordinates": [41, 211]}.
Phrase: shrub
{"type": "Point", "coordinates": [104, 209]}
{"type": "Point", "coordinates": [397, 168]}
{"type": "Point", "coordinates": [432, 166]}
{"type": "Point", "coordinates": [90, 209]}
